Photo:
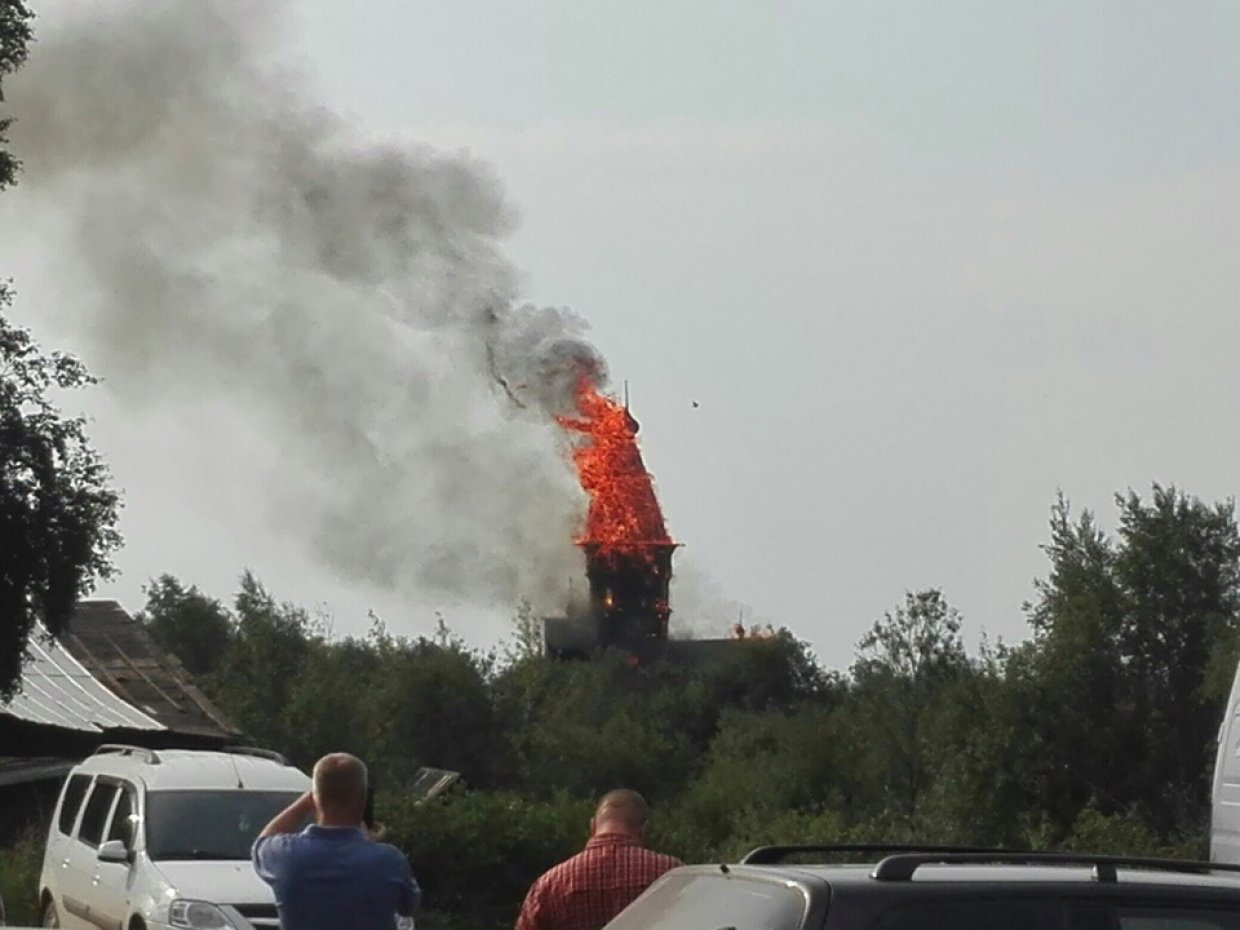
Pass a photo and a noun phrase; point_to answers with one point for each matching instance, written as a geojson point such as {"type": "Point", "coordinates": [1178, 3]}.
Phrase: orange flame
{"type": "Point", "coordinates": [624, 511]}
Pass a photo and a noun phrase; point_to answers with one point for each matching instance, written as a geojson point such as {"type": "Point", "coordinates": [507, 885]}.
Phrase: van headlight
{"type": "Point", "coordinates": [197, 915]}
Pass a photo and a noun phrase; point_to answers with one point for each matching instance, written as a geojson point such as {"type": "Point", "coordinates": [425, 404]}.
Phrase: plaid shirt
{"type": "Point", "coordinates": [586, 891]}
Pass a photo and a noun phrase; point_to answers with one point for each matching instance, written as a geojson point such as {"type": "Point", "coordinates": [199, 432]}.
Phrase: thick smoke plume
{"type": "Point", "coordinates": [231, 239]}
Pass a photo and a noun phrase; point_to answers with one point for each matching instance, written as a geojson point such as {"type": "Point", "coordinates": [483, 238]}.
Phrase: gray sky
{"type": "Point", "coordinates": [919, 264]}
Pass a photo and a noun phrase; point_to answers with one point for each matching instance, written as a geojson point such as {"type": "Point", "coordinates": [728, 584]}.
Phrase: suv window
{"type": "Point", "coordinates": [1121, 916]}
{"type": "Point", "coordinates": [972, 914]}
{"type": "Point", "coordinates": [95, 817]}
{"type": "Point", "coordinates": [727, 901]}
{"type": "Point", "coordinates": [1027, 914]}
{"type": "Point", "coordinates": [71, 801]}
{"type": "Point", "coordinates": [123, 819]}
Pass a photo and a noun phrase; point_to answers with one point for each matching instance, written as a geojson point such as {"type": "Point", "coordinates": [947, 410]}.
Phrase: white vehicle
{"type": "Point", "coordinates": [1225, 806]}
{"type": "Point", "coordinates": [147, 840]}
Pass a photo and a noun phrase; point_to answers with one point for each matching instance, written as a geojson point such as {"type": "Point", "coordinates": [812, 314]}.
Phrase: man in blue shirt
{"type": "Point", "coordinates": [333, 875]}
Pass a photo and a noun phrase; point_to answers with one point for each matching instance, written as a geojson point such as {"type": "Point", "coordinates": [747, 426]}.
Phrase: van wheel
{"type": "Point", "coordinates": [50, 917]}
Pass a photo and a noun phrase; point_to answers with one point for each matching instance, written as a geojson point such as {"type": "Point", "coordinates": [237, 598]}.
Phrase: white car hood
{"type": "Point", "coordinates": [217, 882]}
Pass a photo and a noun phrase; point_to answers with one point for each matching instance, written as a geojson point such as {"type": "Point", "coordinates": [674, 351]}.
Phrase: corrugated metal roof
{"type": "Point", "coordinates": [107, 673]}
{"type": "Point", "coordinates": [430, 783]}
{"type": "Point", "coordinates": [58, 691]}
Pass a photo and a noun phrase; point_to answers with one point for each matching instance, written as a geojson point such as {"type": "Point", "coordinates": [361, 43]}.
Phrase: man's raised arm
{"type": "Point", "coordinates": [291, 818]}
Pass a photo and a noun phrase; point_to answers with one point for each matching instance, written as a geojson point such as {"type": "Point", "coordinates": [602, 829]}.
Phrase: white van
{"type": "Point", "coordinates": [153, 839]}
{"type": "Point", "coordinates": [1225, 806]}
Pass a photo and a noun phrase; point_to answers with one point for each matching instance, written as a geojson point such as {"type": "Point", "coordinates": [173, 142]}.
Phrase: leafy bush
{"type": "Point", "coordinates": [1124, 835]}
{"type": "Point", "coordinates": [475, 854]}
{"type": "Point", "coordinates": [19, 880]}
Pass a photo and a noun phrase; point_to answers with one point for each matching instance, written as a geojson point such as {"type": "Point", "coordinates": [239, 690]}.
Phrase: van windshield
{"type": "Point", "coordinates": [209, 824]}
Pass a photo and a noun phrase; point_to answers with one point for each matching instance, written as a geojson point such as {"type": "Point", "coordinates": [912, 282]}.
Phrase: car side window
{"type": "Point", "coordinates": [95, 816]}
{"type": "Point", "coordinates": [123, 818]}
{"type": "Point", "coordinates": [709, 902]}
{"type": "Point", "coordinates": [1120, 916]}
{"type": "Point", "coordinates": [970, 914]}
{"type": "Point", "coordinates": [71, 802]}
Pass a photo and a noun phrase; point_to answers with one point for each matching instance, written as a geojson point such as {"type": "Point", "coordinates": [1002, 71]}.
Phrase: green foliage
{"type": "Point", "coordinates": [759, 766]}
{"type": "Point", "coordinates": [906, 673]}
{"type": "Point", "coordinates": [430, 704]}
{"type": "Point", "coordinates": [1125, 835]}
{"type": "Point", "coordinates": [527, 638]}
{"type": "Point", "coordinates": [587, 727]}
{"type": "Point", "coordinates": [15, 37]}
{"type": "Point", "coordinates": [257, 677]}
{"type": "Point", "coordinates": [754, 828]}
{"type": "Point", "coordinates": [20, 864]}
{"type": "Point", "coordinates": [476, 853]}
{"type": "Point", "coordinates": [195, 628]}
{"type": "Point", "coordinates": [57, 511]}
{"type": "Point", "coordinates": [1133, 634]}
{"type": "Point", "coordinates": [326, 710]}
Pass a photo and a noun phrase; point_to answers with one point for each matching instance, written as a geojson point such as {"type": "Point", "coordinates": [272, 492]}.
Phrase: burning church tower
{"type": "Point", "coordinates": [628, 550]}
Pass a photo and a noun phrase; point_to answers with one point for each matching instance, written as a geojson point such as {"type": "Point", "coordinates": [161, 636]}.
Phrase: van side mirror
{"type": "Point", "coordinates": [113, 851]}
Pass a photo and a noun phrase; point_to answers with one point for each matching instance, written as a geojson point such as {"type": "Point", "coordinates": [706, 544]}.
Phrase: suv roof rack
{"type": "Point", "coordinates": [772, 855]}
{"type": "Point", "coordinates": [258, 753]}
{"type": "Point", "coordinates": [901, 866]}
{"type": "Point", "coordinates": [124, 749]}
{"type": "Point", "coordinates": [900, 862]}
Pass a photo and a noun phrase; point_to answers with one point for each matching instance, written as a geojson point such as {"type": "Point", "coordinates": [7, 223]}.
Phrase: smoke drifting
{"type": "Point", "coordinates": [349, 298]}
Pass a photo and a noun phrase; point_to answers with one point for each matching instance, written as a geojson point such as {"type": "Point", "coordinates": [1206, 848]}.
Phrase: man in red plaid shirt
{"type": "Point", "coordinates": [586, 891]}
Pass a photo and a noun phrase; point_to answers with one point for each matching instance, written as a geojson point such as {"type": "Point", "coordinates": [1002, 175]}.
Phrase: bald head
{"type": "Point", "coordinates": [340, 787]}
{"type": "Point", "coordinates": [621, 811]}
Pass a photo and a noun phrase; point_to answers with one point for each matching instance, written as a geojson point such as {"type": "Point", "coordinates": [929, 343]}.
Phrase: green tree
{"type": "Point", "coordinates": [1077, 662]}
{"type": "Point", "coordinates": [761, 764]}
{"type": "Point", "coordinates": [15, 37]}
{"type": "Point", "coordinates": [526, 641]}
{"type": "Point", "coordinates": [330, 704]}
{"type": "Point", "coordinates": [906, 667]}
{"type": "Point", "coordinates": [587, 727]}
{"type": "Point", "coordinates": [57, 510]}
{"type": "Point", "coordinates": [979, 794]}
{"type": "Point", "coordinates": [267, 655]}
{"type": "Point", "coordinates": [1129, 633]}
{"type": "Point", "coordinates": [195, 628]}
{"type": "Point", "coordinates": [430, 703]}
{"type": "Point", "coordinates": [1178, 563]}
{"type": "Point", "coordinates": [57, 513]}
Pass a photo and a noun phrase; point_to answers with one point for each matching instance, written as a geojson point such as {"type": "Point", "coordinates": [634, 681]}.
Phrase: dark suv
{"type": "Point", "coordinates": [928, 888]}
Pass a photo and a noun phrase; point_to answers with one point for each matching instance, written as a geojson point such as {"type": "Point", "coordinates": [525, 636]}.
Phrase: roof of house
{"type": "Point", "coordinates": [57, 690]}
{"type": "Point", "coordinates": [107, 673]}
{"type": "Point", "coordinates": [119, 652]}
